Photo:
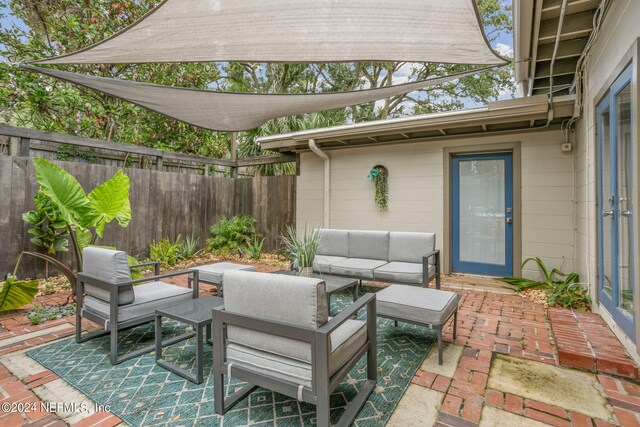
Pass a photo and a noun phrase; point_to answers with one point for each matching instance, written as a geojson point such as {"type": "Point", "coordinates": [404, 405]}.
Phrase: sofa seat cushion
{"type": "Point", "coordinates": [420, 305]}
{"type": "Point", "coordinates": [357, 267]}
{"type": "Point", "coordinates": [269, 354]}
{"type": "Point", "coordinates": [405, 272]}
{"type": "Point", "coordinates": [148, 297]}
{"type": "Point", "coordinates": [322, 263]}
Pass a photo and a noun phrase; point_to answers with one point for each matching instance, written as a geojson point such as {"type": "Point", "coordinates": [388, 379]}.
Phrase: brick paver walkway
{"type": "Point", "coordinates": [489, 323]}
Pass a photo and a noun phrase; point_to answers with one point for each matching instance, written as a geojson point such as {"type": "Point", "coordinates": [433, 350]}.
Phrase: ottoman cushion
{"type": "Point", "coordinates": [420, 305]}
{"type": "Point", "coordinates": [212, 273]}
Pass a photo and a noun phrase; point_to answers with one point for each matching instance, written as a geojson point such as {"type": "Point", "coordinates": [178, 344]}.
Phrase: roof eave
{"type": "Point", "coordinates": [510, 111]}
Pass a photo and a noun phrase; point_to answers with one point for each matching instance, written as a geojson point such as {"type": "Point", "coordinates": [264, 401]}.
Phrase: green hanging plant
{"type": "Point", "coordinates": [380, 177]}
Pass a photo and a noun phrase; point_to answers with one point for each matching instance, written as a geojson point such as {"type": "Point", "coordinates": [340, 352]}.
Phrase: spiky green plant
{"type": "Point", "coordinates": [562, 289]}
{"type": "Point", "coordinates": [301, 249]}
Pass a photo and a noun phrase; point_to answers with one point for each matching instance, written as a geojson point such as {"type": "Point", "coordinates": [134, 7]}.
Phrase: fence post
{"type": "Point", "coordinates": [14, 146]}
{"type": "Point", "coordinates": [159, 163]}
{"type": "Point", "coordinates": [234, 154]}
{"type": "Point", "coordinates": [25, 147]}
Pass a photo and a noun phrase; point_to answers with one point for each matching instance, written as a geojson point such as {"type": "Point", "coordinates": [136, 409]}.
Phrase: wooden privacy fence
{"type": "Point", "coordinates": [23, 142]}
{"type": "Point", "coordinates": [163, 204]}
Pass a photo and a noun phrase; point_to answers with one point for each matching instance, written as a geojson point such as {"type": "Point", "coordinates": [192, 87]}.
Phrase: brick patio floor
{"type": "Point", "coordinates": [488, 323]}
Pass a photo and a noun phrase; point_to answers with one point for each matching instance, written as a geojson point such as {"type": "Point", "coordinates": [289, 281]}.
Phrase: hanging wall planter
{"type": "Point", "coordinates": [380, 177]}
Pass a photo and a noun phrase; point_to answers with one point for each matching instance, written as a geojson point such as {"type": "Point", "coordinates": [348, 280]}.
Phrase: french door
{"type": "Point", "coordinates": [482, 214]}
{"type": "Point", "coordinates": [615, 207]}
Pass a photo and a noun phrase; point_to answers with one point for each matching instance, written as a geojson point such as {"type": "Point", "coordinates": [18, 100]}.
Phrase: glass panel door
{"type": "Point", "coordinates": [482, 214]}
{"type": "Point", "coordinates": [615, 204]}
{"type": "Point", "coordinates": [625, 207]}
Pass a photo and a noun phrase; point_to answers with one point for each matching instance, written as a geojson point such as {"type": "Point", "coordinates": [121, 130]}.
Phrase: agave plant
{"type": "Point", "coordinates": [551, 278]}
{"type": "Point", "coordinates": [301, 249]}
{"type": "Point", "coordinates": [562, 289]}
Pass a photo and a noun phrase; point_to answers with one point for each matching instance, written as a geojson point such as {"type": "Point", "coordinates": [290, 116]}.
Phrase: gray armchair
{"type": "Point", "coordinates": [275, 332]}
{"type": "Point", "coordinates": [105, 295]}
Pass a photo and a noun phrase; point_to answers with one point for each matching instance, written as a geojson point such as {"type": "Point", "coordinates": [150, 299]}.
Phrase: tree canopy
{"type": "Point", "coordinates": [58, 26]}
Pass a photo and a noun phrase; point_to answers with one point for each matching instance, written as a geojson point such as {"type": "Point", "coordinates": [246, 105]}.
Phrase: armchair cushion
{"type": "Point", "coordinates": [369, 244]}
{"type": "Point", "coordinates": [148, 297]}
{"type": "Point", "coordinates": [334, 242]}
{"type": "Point", "coordinates": [405, 272]}
{"type": "Point", "coordinates": [295, 300]}
{"type": "Point", "coordinates": [109, 266]}
{"type": "Point", "coordinates": [322, 263]}
{"type": "Point", "coordinates": [356, 267]}
{"type": "Point", "coordinates": [410, 247]}
{"type": "Point", "coordinates": [345, 342]}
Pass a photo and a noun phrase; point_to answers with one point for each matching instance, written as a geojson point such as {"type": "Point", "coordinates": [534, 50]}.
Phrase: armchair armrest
{"type": "Point", "coordinates": [368, 300]}
{"type": "Point", "coordinates": [82, 278]}
{"type": "Point", "coordinates": [425, 268]}
{"type": "Point", "coordinates": [156, 269]}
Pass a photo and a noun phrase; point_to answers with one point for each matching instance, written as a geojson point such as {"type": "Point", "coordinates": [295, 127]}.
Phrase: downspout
{"type": "Point", "coordinates": [563, 11]}
{"type": "Point", "coordinates": [326, 221]}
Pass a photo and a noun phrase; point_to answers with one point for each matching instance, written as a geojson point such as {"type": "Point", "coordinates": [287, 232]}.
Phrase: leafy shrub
{"type": "Point", "coordinates": [189, 247]}
{"type": "Point", "coordinates": [254, 248]}
{"type": "Point", "coordinates": [562, 289]}
{"type": "Point", "coordinates": [40, 314]}
{"type": "Point", "coordinates": [229, 235]}
{"type": "Point", "coordinates": [165, 252]}
{"type": "Point", "coordinates": [49, 229]}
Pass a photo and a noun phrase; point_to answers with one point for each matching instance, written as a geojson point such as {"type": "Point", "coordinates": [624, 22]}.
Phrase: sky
{"type": "Point", "coordinates": [503, 45]}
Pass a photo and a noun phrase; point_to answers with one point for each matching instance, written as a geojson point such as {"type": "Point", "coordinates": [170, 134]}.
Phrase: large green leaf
{"type": "Point", "coordinates": [109, 201]}
{"type": "Point", "coordinates": [16, 293]}
{"type": "Point", "coordinates": [63, 190]}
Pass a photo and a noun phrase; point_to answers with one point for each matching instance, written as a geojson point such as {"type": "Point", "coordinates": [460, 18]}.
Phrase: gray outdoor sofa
{"type": "Point", "coordinates": [394, 257]}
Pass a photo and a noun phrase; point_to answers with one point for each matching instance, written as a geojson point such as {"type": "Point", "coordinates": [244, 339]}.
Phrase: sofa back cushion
{"type": "Point", "coordinates": [299, 301]}
{"type": "Point", "coordinates": [334, 242]}
{"type": "Point", "coordinates": [369, 244]}
{"type": "Point", "coordinates": [409, 246]}
{"type": "Point", "coordinates": [109, 266]}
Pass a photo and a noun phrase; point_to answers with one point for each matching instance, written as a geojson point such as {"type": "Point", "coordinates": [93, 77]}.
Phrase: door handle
{"type": "Point", "coordinates": [608, 213]}
{"type": "Point", "coordinates": [509, 220]}
{"type": "Point", "coordinates": [626, 213]}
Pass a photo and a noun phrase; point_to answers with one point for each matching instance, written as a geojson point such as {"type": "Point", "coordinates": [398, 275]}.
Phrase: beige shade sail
{"type": "Point", "coordinates": [298, 31]}
{"type": "Point", "coordinates": [232, 111]}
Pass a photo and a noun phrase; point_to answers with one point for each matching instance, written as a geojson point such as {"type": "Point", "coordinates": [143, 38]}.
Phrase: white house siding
{"type": "Point", "coordinates": [620, 30]}
{"type": "Point", "coordinates": [416, 191]}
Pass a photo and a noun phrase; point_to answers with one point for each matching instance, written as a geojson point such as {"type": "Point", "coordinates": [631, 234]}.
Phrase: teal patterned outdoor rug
{"type": "Point", "coordinates": [144, 394]}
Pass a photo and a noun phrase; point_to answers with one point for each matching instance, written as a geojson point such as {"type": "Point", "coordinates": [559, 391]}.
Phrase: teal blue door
{"type": "Point", "coordinates": [615, 207]}
{"type": "Point", "coordinates": [482, 214]}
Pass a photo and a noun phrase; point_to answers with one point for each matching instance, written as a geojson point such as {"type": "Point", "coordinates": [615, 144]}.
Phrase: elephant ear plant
{"type": "Point", "coordinates": [84, 216]}
{"type": "Point", "coordinates": [63, 209]}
